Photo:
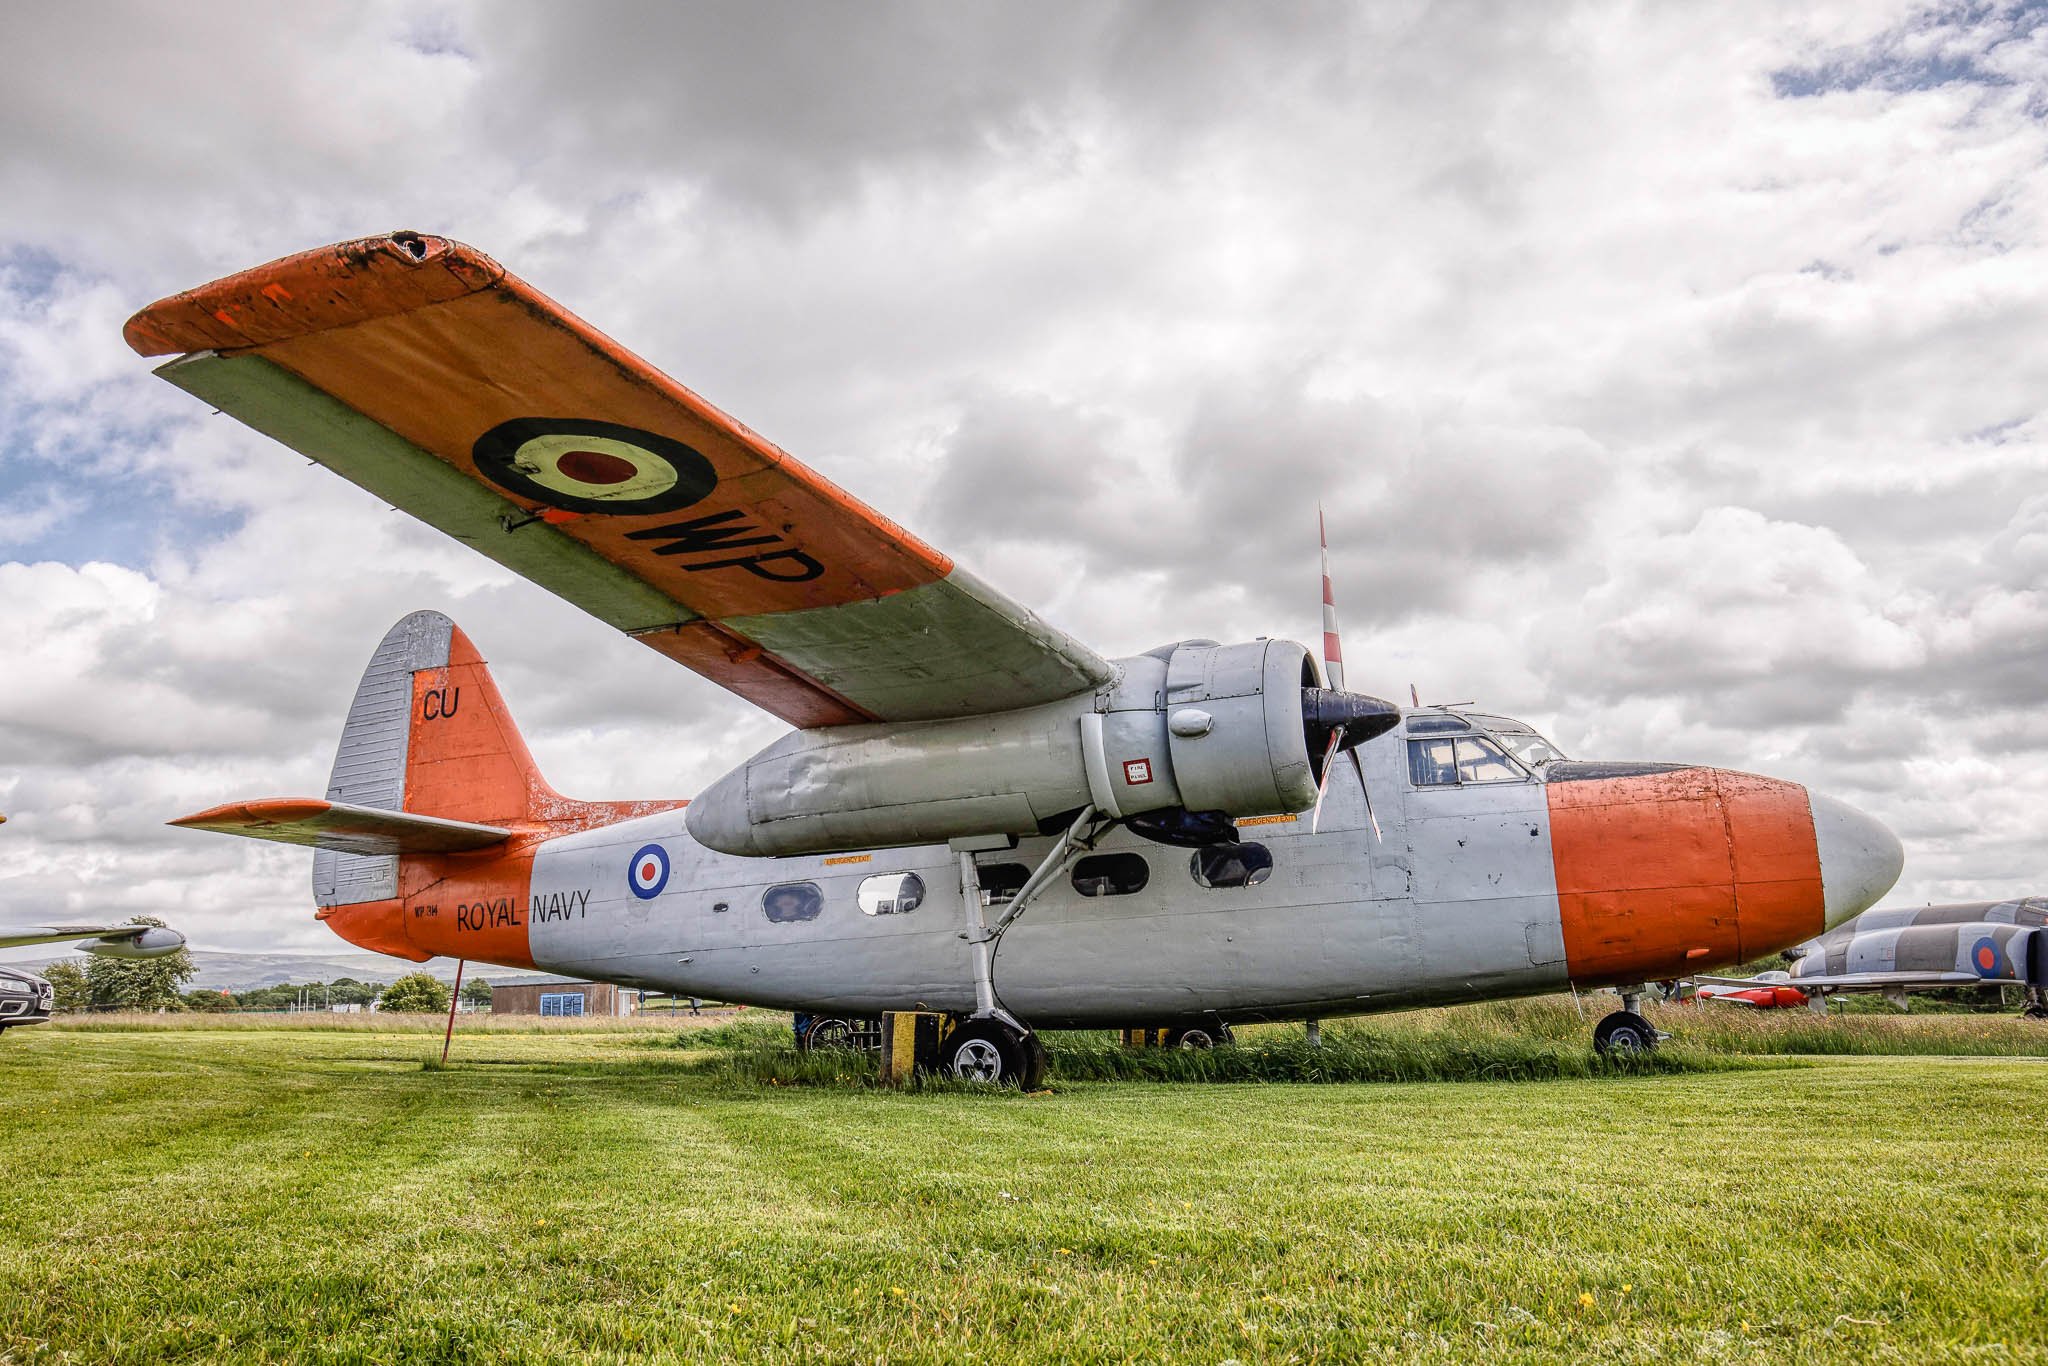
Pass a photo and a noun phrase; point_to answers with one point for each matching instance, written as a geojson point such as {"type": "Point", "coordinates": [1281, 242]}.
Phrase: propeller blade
{"type": "Point", "coordinates": [1323, 787]}
{"type": "Point", "coordinates": [1358, 766]}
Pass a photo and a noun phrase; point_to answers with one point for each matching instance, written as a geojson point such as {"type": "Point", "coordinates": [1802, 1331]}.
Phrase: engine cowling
{"type": "Point", "coordinates": [1239, 729]}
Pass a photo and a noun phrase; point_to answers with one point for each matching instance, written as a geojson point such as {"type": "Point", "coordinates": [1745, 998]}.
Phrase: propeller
{"type": "Point", "coordinates": [1350, 717]}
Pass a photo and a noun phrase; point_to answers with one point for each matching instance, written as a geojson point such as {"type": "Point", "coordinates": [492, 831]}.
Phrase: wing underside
{"type": "Point", "coordinates": [420, 370]}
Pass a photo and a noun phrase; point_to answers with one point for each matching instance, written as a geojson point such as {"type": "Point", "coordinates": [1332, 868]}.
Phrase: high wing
{"type": "Point", "coordinates": [344, 827]}
{"type": "Point", "coordinates": [418, 368]}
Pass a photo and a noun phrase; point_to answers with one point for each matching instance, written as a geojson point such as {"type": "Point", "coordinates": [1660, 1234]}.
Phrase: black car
{"type": "Point", "coordinates": [25, 998]}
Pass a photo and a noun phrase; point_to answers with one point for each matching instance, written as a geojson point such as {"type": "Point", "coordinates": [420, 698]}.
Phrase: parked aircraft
{"type": "Point", "coordinates": [1896, 951]}
{"type": "Point", "coordinates": [26, 999]}
{"type": "Point", "coordinates": [1168, 818]}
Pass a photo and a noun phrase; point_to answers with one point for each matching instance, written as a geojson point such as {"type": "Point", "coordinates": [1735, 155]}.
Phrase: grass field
{"type": "Point", "coordinates": [601, 1194]}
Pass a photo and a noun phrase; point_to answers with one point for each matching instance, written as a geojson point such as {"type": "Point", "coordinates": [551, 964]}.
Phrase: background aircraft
{"type": "Point", "coordinates": [1893, 952]}
{"type": "Point", "coordinates": [26, 999]}
{"type": "Point", "coordinates": [954, 756]}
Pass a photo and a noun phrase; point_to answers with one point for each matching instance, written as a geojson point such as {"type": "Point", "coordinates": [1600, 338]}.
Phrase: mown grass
{"type": "Point", "coordinates": [314, 1196]}
{"type": "Point", "coordinates": [371, 1022]}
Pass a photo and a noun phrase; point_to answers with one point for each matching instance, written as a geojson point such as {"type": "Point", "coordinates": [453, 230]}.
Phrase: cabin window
{"type": "Point", "coordinates": [1231, 865]}
{"type": "Point", "coordinates": [891, 894]}
{"type": "Point", "coordinates": [792, 901]}
{"type": "Point", "coordinates": [1002, 881]}
{"type": "Point", "coordinates": [1450, 761]}
{"type": "Point", "coordinates": [561, 1003]}
{"type": "Point", "coordinates": [1111, 874]}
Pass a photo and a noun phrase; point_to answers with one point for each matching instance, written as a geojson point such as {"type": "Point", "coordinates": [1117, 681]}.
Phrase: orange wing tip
{"type": "Point", "coordinates": [257, 814]}
{"type": "Point", "coordinates": [350, 282]}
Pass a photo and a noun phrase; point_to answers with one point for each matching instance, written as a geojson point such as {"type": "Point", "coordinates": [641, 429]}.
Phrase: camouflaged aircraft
{"type": "Point", "coordinates": [1167, 818]}
{"type": "Point", "coordinates": [1896, 951]}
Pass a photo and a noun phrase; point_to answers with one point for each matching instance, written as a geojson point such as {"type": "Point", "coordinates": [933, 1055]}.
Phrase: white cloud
{"type": "Point", "coordinates": [1671, 376]}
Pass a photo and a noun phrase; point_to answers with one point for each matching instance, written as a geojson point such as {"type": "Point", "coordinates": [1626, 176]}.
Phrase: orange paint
{"type": "Point", "coordinates": [378, 926]}
{"type": "Point", "coordinates": [467, 761]}
{"type": "Point", "coordinates": [1659, 871]}
{"type": "Point", "coordinates": [436, 342]}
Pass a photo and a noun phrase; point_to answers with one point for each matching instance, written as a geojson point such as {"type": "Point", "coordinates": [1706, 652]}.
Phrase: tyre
{"type": "Point", "coordinates": [991, 1051]}
{"type": "Point", "coordinates": [1624, 1032]}
{"type": "Point", "coordinates": [834, 1032]}
{"type": "Point", "coordinates": [1203, 1036]}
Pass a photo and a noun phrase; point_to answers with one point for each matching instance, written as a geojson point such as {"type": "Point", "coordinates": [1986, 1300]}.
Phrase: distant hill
{"type": "Point", "coordinates": [248, 971]}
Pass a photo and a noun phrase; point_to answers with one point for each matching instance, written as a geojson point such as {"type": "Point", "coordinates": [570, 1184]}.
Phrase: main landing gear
{"type": "Point", "coordinates": [992, 1045]}
{"type": "Point", "coordinates": [1626, 1031]}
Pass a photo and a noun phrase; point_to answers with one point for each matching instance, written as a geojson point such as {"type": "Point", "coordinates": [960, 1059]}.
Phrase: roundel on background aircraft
{"type": "Point", "coordinates": [648, 873]}
{"type": "Point", "coordinates": [1986, 958]}
{"type": "Point", "coordinates": [579, 465]}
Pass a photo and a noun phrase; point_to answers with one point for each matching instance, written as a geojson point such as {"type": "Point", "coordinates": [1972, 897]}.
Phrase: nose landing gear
{"type": "Point", "coordinates": [1626, 1031]}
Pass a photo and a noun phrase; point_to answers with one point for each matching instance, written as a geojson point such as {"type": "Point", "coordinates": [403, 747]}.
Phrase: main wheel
{"type": "Point", "coordinates": [1203, 1036]}
{"type": "Point", "coordinates": [1624, 1032]}
{"type": "Point", "coordinates": [991, 1051]}
{"type": "Point", "coordinates": [2034, 1010]}
{"type": "Point", "coordinates": [832, 1031]}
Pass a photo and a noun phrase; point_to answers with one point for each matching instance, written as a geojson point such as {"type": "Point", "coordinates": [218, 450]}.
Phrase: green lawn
{"type": "Point", "coordinates": [315, 1196]}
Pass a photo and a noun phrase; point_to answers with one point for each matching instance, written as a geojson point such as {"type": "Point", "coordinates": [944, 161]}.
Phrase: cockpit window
{"type": "Point", "coordinates": [1454, 760]}
{"type": "Point", "coordinates": [1532, 749]}
{"type": "Point", "coordinates": [1480, 760]}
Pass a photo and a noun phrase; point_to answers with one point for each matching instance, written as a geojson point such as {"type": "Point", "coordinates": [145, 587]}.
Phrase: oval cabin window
{"type": "Point", "coordinates": [792, 901]}
{"type": "Point", "coordinates": [1231, 865]}
{"type": "Point", "coordinates": [1111, 874]}
{"type": "Point", "coordinates": [891, 894]}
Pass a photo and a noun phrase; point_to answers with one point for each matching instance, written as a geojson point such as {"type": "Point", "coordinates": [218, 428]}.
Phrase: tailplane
{"type": "Point", "coordinates": [430, 762]}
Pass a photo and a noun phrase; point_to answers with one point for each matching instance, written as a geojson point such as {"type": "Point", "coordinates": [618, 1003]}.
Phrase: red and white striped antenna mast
{"type": "Point", "coordinates": [1333, 648]}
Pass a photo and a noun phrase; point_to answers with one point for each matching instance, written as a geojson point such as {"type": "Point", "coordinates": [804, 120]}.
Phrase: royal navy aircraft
{"type": "Point", "coordinates": [1896, 951]}
{"type": "Point", "coordinates": [26, 999]}
{"type": "Point", "coordinates": [1167, 819]}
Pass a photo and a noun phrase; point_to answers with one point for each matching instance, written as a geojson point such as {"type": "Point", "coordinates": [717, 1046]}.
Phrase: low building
{"type": "Point", "coordinates": [563, 996]}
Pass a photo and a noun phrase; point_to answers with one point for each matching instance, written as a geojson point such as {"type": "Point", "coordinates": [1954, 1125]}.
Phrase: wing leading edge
{"type": "Point", "coordinates": [419, 369]}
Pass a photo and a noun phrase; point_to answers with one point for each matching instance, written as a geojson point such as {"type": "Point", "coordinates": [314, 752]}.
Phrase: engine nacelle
{"type": "Point", "coordinates": [1233, 728]}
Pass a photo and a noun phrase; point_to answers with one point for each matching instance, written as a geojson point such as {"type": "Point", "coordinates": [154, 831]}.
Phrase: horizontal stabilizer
{"type": "Point", "coordinates": [344, 827]}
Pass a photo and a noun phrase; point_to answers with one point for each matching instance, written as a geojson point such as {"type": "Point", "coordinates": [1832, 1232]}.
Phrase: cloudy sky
{"type": "Point", "coordinates": [1672, 375]}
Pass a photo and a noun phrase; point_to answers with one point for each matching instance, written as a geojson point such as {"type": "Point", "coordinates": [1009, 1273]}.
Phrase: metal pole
{"type": "Point", "coordinates": [453, 997]}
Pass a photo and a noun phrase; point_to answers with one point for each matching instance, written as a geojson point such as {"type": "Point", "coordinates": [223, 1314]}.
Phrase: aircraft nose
{"type": "Point", "coordinates": [1859, 858]}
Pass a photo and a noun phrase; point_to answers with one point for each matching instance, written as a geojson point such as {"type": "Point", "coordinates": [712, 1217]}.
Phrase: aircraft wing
{"type": "Point", "coordinates": [418, 368]}
{"type": "Point", "coordinates": [21, 936]}
{"type": "Point", "coordinates": [1868, 981]}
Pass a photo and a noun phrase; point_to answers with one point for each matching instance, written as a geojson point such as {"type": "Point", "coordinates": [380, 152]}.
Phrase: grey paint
{"type": "Point", "coordinates": [1337, 928]}
{"type": "Point", "coordinates": [857, 787]}
{"type": "Point", "coordinates": [369, 766]}
{"type": "Point", "coordinates": [955, 647]}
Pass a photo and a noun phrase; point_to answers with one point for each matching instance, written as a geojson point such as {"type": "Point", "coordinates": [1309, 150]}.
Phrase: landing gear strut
{"type": "Point", "coordinates": [1625, 1031]}
{"type": "Point", "coordinates": [992, 1044]}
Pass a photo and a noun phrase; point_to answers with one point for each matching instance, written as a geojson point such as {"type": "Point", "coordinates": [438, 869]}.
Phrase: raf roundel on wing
{"type": "Point", "coordinates": [584, 466]}
{"type": "Point", "coordinates": [648, 873]}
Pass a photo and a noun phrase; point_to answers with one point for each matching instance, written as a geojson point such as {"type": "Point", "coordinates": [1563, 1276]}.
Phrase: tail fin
{"type": "Point", "coordinates": [427, 734]}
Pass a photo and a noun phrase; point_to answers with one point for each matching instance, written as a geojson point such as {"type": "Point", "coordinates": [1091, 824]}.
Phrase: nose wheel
{"type": "Point", "coordinates": [1624, 1032]}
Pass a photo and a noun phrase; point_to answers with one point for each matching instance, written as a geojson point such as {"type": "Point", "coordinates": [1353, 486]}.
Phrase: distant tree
{"type": "Point", "coordinates": [415, 992]}
{"type": "Point", "coordinates": [210, 1000]}
{"type": "Point", "coordinates": [69, 979]}
{"type": "Point", "coordinates": [347, 991]}
{"type": "Point", "coordinates": [476, 992]}
{"type": "Point", "coordinates": [139, 983]}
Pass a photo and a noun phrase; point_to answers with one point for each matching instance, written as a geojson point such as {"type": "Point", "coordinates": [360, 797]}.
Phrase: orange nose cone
{"type": "Point", "coordinates": [1668, 873]}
